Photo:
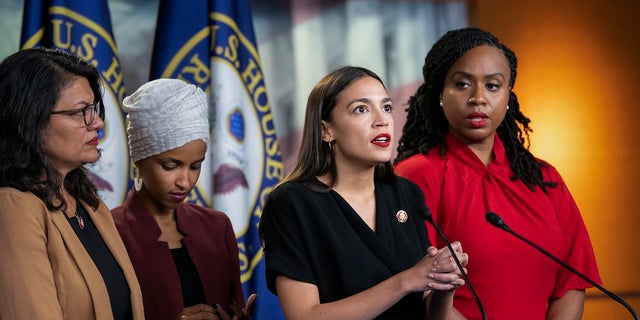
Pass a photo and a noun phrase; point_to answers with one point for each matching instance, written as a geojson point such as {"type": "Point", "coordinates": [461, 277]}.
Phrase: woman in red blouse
{"type": "Point", "coordinates": [465, 144]}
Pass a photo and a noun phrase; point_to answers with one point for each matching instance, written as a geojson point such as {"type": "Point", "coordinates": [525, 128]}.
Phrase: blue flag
{"type": "Point", "coordinates": [83, 28]}
{"type": "Point", "coordinates": [211, 44]}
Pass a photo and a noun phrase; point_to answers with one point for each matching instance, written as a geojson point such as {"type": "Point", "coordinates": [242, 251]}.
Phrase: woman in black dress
{"type": "Point", "coordinates": [343, 238]}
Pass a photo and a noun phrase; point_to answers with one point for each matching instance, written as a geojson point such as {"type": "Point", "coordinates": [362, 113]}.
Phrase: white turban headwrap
{"type": "Point", "coordinates": [165, 114]}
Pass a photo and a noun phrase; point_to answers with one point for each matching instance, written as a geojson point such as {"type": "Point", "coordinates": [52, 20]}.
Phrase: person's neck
{"type": "Point", "coordinates": [166, 220]}
{"type": "Point", "coordinates": [160, 214]}
{"type": "Point", "coordinates": [354, 182]}
{"type": "Point", "coordinates": [70, 203]}
{"type": "Point", "coordinates": [483, 151]}
{"type": "Point", "coordinates": [357, 188]}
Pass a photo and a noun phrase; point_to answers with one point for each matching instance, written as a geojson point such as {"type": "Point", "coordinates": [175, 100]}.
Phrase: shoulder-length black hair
{"type": "Point", "coordinates": [31, 82]}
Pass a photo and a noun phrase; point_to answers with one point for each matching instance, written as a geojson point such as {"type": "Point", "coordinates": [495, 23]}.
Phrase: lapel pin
{"type": "Point", "coordinates": [402, 216]}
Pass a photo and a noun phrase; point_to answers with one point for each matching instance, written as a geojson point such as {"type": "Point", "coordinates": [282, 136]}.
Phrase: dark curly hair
{"type": "Point", "coordinates": [31, 81]}
{"type": "Point", "coordinates": [426, 125]}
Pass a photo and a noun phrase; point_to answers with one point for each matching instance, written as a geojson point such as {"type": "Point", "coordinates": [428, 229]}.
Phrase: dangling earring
{"type": "Point", "coordinates": [441, 103]}
{"type": "Point", "coordinates": [330, 143]}
{"type": "Point", "coordinates": [507, 107]}
{"type": "Point", "coordinates": [137, 181]}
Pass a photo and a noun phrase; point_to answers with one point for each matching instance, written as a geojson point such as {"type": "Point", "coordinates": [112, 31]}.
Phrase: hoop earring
{"type": "Point", "coordinates": [137, 181]}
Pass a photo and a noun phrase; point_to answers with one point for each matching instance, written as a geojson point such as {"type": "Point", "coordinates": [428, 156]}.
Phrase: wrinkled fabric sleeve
{"type": "Point", "coordinates": [284, 249]}
{"type": "Point", "coordinates": [234, 264]}
{"type": "Point", "coordinates": [27, 284]}
{"type": "Point", "coordinates": [580, 251]}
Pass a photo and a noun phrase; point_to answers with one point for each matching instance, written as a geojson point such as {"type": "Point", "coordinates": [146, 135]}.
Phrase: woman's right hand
{"type": "Point", "coordinates": [242, 314]}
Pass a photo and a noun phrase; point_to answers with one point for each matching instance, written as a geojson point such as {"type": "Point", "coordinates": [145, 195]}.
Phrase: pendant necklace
{"type": "Point", "coordinates": [80, 221]}
{"type": "Point", "coordinates": [78, 217]}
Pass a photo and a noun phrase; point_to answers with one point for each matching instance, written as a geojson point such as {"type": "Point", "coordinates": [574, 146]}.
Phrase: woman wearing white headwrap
{"type": "Point", "coordinates": [185, 256]}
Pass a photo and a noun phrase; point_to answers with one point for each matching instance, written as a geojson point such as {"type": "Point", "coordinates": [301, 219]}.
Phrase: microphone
{"type": "Point", "coordinates": [497, 222]}
{"type": "Point", "coordinates": [425, 213]}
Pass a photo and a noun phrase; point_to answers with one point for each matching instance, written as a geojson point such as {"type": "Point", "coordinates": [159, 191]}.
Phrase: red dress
{"type": "Point", "coordinates": [512, 279]}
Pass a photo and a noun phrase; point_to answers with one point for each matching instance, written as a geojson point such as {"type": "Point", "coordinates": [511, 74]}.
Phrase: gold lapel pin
{"type": "Point", "coordinates": [402, 216]}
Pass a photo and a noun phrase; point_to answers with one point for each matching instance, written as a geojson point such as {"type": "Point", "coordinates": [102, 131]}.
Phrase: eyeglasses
{"type": "Point", "coordinates": [88, 113]}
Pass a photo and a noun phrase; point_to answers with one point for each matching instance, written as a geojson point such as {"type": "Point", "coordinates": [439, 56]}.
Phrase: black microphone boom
{"type": "Point", "coordinates": [496, 221]}
{"type": "Point", "coordinates": [425, 213]}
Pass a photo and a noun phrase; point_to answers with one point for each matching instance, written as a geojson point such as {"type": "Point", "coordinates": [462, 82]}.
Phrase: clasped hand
{"type": "Point", "coordinates": [438, 270]}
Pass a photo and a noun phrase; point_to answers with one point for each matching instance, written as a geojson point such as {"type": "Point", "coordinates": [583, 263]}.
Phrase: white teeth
{"type": "Point", "coordinates": [381, 139]}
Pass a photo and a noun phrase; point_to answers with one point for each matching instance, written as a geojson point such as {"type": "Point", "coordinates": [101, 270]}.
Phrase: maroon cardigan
{"type": "Point", "coordinates": [210, 241]}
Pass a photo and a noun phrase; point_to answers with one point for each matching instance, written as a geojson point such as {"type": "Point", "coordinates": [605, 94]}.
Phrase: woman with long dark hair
{"type": "Point", "coordinates": [61, 255]}
{"type": "Point", "coordinates": [343, 236]}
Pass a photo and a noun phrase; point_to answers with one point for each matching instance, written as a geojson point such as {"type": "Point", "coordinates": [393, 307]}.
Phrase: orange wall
{"type": "Point", "coordinates": [579, 83]}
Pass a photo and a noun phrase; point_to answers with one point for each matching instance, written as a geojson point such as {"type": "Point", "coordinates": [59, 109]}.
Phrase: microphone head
{"type": "Point", "coordinates": [425, 213]}
{"type": "Point", "coordinates": [495, 220]}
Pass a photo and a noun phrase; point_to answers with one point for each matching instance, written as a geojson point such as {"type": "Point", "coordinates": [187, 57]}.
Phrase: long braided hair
{"type": "Point", "coordinates": [427, 126]}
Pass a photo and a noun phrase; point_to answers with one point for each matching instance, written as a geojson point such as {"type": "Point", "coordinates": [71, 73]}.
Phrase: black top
{"type": "Point", "coordinates": [192, 291]}
{"type": "Point", "coordinates": [318, 238]}
{"type": "Point", "coordinates": [111, 272]}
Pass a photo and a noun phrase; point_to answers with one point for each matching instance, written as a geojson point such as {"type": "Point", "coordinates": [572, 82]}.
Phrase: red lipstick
{"type": "Point", "coordinates": [382, 140]}
{"type": "Point", "coordinates": [477, 120]}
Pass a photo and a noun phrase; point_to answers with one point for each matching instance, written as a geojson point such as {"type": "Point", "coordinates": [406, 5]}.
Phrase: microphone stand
{"type": "Point", "coordinates": [496, 221]}
{"type": "Point", "coordinates": [425, 213]}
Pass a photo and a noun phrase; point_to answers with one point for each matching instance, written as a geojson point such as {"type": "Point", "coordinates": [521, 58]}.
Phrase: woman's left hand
{"type": "Point", "coordinates": [445, 270]}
